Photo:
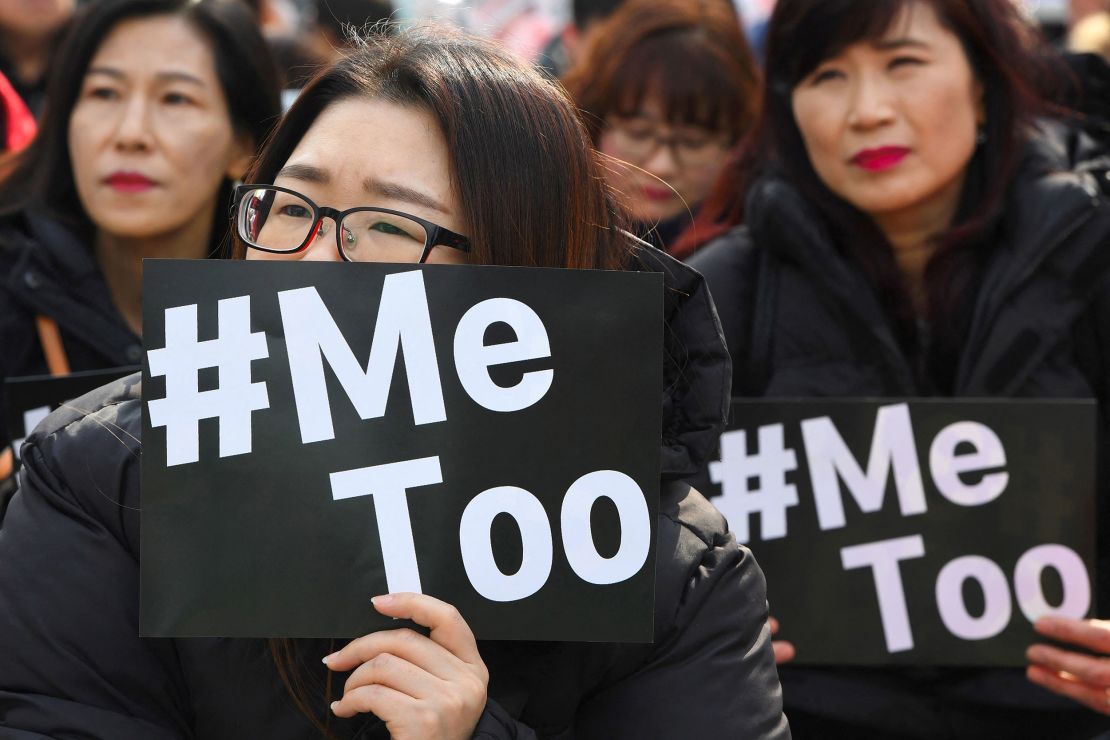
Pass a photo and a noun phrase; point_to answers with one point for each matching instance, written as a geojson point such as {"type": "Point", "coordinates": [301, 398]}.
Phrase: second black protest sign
{"type": "Point", "coordinates": [274, 489]}
{"type": "Point", "coordinates": [919, 531]}
{"type": "Point", "coordinates": [30, 398]}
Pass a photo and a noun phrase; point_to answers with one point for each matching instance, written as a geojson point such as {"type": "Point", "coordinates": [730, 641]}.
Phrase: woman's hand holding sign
{"type": "Point", "coordinates": [1085, 678]}
{"type": "Point", "coordinates": [784, 651]}
{"type": "Point", "coordinates": [421, 687]}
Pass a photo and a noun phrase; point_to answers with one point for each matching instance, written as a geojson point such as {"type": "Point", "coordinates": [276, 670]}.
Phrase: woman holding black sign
{"type": "Point", "coordinates": [912, 229]}
{"type": "Point", "coordinates": [474, 158]}
{"type": "Point", "coordinates": [156, 107]}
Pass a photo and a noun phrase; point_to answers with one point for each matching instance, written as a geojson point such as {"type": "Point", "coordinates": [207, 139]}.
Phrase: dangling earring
{"type": "Point", "coordinates": [980, 136]}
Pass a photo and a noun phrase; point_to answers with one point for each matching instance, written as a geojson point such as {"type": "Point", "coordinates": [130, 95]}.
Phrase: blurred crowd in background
{"type": "Point", "coordinates": [306, 34]}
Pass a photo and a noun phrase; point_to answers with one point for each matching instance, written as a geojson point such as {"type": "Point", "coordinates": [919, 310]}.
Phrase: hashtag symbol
{"type": "Point", "coordinates": [768, 466]}
{"type": "Point", "coordinates": [235, 396]}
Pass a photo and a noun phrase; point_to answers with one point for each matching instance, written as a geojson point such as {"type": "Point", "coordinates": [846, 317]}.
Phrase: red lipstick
{"type": "Point", "coordinates": [882, 158]}
{"type": "Point", "coordinates": [657, 194]}
{"type": "Point", "coordinates": [129, 182]}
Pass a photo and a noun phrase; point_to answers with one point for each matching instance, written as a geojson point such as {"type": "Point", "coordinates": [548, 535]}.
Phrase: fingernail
{"type": "Point", "coordinates": [333, 706]}
{"type": "Point", "coordinates": [327, 658]}
{"type": "Point", "coordinates": [383, 600]}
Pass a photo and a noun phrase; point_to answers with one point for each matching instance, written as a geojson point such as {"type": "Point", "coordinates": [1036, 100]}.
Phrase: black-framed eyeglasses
{"type": "Point", "coordinates": [637, 140]}
{"type": "Point", "coordinates": [282, 221]}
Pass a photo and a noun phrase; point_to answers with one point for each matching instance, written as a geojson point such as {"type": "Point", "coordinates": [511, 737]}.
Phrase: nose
{"type": "Point", "coordinates": [321, 248]}
{"type": "Point", "coordinates": [133, 131]}
{"type": "Point", "coordinates": [870, 105]}
{"type": "Point", "coordinates": [662, 162]}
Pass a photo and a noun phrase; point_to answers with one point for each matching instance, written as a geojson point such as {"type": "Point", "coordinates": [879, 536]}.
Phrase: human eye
{"type": "Point", "coordinates": [634, 127]}
{"type": "Point", "coordinates": [294, 211]}
{"type": "Point", "coordinates": [904, 61]}
{"type": "Point", "coordinates": [394, 227]}
{"type": "Point", "coordinates": [694, 141]}
{"type": "Point", "coordinates": [101, 92]}
{"type": "Point", "coordinates": [292, 208]}
{"type": "Point", "coordinates": [825, 74]}
{"type": "Point", "coordinates": [382, 236]}
{"type": "Point", "coordinates": [175, 97]}
{"type": "Point", "coordinates": [639, 131]}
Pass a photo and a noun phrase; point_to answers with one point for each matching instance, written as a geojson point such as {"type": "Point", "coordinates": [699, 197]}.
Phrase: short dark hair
{"type": "Point", "coordinates": [43, 173]}
{"type": "Point", "coordinates": [528, 179]}
{"type": "Point", "coordinates": [692, 53]}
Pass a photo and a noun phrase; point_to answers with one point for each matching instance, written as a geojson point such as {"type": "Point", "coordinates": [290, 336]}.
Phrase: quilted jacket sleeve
{"type": "Point", "coordinates": [70, 663]}
{"type": "Point", "coordinates": [711, 672]}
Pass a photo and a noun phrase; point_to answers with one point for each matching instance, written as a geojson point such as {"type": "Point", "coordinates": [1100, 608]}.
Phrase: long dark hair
{"type": "Point", "coordinates": [42, 175]}
{"type": "Point", "coordinates": [691, 53]}
{"type": "Point", "coordinates": [1005, 56]}
{"type": "Point", "coordinates": [528, 179]}
{"type": "Point", "coordinates": [529, 182]}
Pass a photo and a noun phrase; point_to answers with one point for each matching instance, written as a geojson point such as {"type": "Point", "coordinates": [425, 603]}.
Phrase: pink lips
{"type": "Point", "coordinates": [657, 194]}
{"type": "Point", "coordinates": [129, 182]}
{"type": "Point", "coordinates": [882, 158]}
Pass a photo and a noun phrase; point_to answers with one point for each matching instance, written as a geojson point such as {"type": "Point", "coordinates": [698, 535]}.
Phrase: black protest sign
{"type": "Point", "coordinates": [31, 398]}
{"type": "Point", "coordinates": [927, 532]}
{"type": "Point", "coordinates": [318, 434]}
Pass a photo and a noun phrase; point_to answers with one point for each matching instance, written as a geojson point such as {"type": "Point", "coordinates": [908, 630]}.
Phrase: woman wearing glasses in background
{"type": "Point", "coordinates": [666, 87]}
{"type": "Point", "coordinates": [426, 147]}
{"type": "Point", "coordinates": [156, 107]}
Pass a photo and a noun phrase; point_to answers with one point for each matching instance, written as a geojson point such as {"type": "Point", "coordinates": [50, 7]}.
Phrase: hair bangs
{"type": "Point", "coordinates": [831, 26]}
{"type": "Point", "coordinates": [706, 90]}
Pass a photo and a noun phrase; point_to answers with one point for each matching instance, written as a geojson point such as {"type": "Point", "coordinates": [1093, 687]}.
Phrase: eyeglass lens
{"type": "Point", "coordinates": [283, 222]}
{"type": "Point", "coordinates": [640, 142]}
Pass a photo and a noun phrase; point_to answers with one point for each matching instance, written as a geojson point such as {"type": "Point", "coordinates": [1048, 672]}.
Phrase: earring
{"type": "Point", "coordinates": [981, 136]}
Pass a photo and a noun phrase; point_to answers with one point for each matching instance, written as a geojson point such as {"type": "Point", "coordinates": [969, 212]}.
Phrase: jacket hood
{"type": "Point", "coordinates": [697, 370]}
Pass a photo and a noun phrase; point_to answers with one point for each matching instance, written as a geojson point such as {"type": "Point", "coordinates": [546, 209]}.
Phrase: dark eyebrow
{"type": "Point", "coordinates": [899, 43]}
{"type": "Point", "coordinates": [401, 192]}
{"type": "Point", "coordinates": [313, 174]}
{"type": "Point", "coordinates": [305, 173]}
{"type": "Point", "coordinates": [172, 76]}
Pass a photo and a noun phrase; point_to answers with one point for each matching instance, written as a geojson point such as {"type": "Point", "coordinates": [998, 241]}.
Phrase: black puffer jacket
{"type": "Point", "coordinates": [71, 664]}
{"type": "Point", "coordinates": [47, 270]}
{"type": "Point", "coordinates": [801, 320]}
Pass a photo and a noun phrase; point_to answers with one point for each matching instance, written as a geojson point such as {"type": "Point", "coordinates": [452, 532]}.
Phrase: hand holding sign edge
{"type": "Point", "coordinates": [432, 686]}
{"type": "Point", "coordinates": [784, 650]}
{"type": "Point", "coordinates": [1084, 678]}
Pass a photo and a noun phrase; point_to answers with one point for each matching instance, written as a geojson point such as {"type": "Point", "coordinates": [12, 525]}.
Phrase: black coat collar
{"type": "Point", "coordinates": [1052, 254]}
{"type": "Point", "coordinates": [50, 271]}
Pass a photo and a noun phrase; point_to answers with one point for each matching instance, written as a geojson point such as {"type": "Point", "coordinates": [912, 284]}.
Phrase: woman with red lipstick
{"type": "Point", "coordinates": [666, 87]}
{"type": "Point", "coordinates": [156, 108]}
{"type": "Point", "coordinates": [900, 172]}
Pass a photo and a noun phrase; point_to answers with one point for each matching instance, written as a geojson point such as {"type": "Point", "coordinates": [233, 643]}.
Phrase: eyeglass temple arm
{"type": "Point", "coordinates": [448, 238]}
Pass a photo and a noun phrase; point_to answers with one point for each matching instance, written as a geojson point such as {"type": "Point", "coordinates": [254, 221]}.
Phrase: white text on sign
{"type": "Point", "coordinates": [755, 483]}
{"type": "Point", "coordinates": [403, 328]}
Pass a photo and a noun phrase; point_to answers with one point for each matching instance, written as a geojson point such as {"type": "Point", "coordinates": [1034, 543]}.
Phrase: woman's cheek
{"type": "Point", "coordinates": [701, 183]}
